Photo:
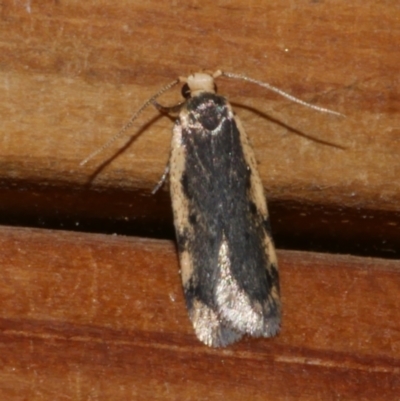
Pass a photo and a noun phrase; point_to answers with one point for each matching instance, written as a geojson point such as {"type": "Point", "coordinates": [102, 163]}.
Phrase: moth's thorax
{"type": "Point", "coordinates": [206, 110]}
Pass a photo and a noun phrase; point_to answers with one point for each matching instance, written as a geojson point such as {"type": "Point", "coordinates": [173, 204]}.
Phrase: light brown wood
{"type": "Point", "coordinates": [98, 317]}
{"type": "Point", "coordinates": [73, 73]}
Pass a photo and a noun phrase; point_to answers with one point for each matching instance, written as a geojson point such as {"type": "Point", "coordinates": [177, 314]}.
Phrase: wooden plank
{"type": "Point", "coordinates": [102, 317]}
{"type": "Point", "coordinates": [73, 73]}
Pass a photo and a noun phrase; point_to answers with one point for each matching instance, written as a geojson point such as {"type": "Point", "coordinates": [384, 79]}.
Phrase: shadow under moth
{"type": "Point", "coordinates": [228, 263]}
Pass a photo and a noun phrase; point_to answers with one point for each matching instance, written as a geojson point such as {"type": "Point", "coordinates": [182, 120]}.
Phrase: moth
{"type": "Point", "coordinates": [227, 257]}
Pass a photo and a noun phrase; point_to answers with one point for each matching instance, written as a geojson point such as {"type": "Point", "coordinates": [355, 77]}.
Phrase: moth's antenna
{"type": "Point", "coordinates": [130, 122]}
{"type": "Point", "coordinates": [279, 92]}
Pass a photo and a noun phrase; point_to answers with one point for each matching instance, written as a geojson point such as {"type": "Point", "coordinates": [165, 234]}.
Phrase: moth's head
{"type": "Point", "coordinates": [197, 83]}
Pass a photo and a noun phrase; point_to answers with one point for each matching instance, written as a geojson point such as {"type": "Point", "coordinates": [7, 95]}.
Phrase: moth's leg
{"type": "Point", "coordinates": [162, 179]}
{"type": "Point", "coordinates": [168, 110]}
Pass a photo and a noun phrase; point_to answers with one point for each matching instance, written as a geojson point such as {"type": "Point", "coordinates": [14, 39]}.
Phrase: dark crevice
{"type": "Point", "coordinates": [296, 226]}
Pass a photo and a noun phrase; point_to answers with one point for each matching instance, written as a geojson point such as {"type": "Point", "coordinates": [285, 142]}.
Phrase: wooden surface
{"type": "Point", "coordinates": [94, 317]}
{"type": "Point", "coordinates": [72, 73]}
{"type": "Point", "coordinates": [97, 317]}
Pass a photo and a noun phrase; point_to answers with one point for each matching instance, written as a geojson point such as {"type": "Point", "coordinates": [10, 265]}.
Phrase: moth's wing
{"type": "Point", "coordinates": [252, 270]}
{"type": "Point", "coordinates": [228, 263]}
{"type": "Point", "coordinates": [198, 243]}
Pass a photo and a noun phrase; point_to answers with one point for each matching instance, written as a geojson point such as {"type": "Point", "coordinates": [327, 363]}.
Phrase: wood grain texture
{"type": "Point", "coordinates": [98, 317]}
{"type": "Point", "coordinates": [92, 317]}
{"type": "Point", "coordinates": [73, 74]}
